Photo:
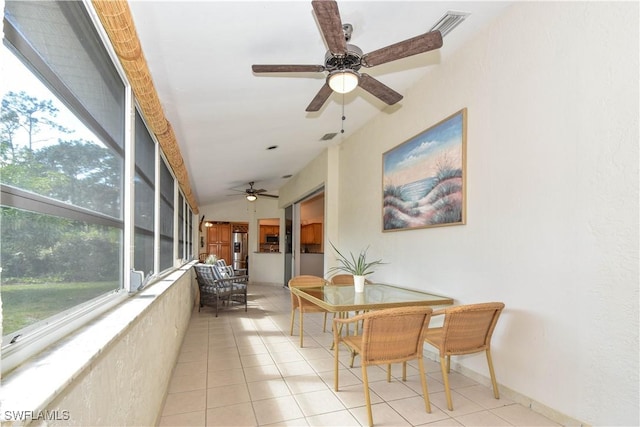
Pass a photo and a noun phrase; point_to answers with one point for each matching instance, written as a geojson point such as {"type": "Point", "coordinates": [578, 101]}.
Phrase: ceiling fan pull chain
{"type": "Point", "coordinates": [343, 116]}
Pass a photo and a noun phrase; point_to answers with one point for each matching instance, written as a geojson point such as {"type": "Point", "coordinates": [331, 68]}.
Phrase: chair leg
{"type": "Point", "coordinates": [301, 326]}
{"type": "Point", "coordinates": [404, 370]}
{"type": "Point", "coordinates": [449, 364]}
{"type": "Point", "coordinates": [496, 393]}
{"type": "Point", "coordinates": [324, 325]}
{"type": "Point", "coordinates": [445, 378]}
{"type": "Point", "coordinates": [293, 316]}
{"type": "Point", "coordinates": [388, 372]}
{"type": "Point", "coordinates": [367, 397]}
{"type": "Point", "coordinates": [245, 300]}
{"type": "Point", "coordinates": [336, 353]}
{"type": "Point", "coordinates": [425, 389]}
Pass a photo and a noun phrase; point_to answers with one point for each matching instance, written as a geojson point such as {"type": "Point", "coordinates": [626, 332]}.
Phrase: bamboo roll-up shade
{"type": "Point", "coordinates": [115, 16]}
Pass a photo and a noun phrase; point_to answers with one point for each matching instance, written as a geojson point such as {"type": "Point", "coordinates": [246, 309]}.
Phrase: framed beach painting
{"type": "Point", "coordinates": [423, 179]}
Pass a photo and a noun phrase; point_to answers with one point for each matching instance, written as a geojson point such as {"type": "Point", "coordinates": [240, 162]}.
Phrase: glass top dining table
{"type": "Point", "coordinates": [341, 298]}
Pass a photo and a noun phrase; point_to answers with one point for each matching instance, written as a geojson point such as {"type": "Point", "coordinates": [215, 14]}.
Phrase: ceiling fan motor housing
{"type": "Point", "coordinates": [351, 60]}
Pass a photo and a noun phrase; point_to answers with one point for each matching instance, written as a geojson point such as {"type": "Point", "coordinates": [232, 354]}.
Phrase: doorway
{"type": "Point", "coordinates": [307, 235]}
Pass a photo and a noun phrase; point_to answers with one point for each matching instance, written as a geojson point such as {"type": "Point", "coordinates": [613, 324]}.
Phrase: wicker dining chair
{"type": "Point", "coordinates": [388, 336]}
{"type": "Point", "coordinates": [466, 329]}
{"type": "Point", "coordinates": [304, 306]}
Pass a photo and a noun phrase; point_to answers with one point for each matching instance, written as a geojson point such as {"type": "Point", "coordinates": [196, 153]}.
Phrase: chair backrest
{"type": "Point", "coordinates": [205, 274]}
{"type": "Point", "coordinates": [394, 335]}
{"type": "Point", "coordinates": [342, 279]}
{"type": "Point", "coordinates": [305, 281]}
{"type": "Point", "coordinates": [468, 328]}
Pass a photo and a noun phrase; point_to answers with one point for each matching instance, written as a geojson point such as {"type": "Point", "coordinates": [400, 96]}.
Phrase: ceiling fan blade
{"type": "Point", "coordinates": [328, 17]}
{"type": "Point", "coordinates": [320, 98]}
{"type": "Point", "coordinates": [287, 68]}
{"type": "Point", "coordinates": [273, 196]}
{"type": "Point", "coordinates": [413, 46]}
{"type": "Point", "coordinates": [379, 89]}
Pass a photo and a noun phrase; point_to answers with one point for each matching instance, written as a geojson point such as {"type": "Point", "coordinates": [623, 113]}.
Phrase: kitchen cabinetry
{"type": "Point", "coordinates": [268, 230]}
{"type": "Point", "coordinates": [219, 241]}
{"type": "Point", "coordinates": [311, 234]}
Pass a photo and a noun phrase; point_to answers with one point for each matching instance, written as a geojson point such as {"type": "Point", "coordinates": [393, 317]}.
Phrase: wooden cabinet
{"type": "Point", "coordinates": [311, 234]}
{"type": "Point", "coordinates": [270, 230]}
{"type": "Point", "coordinates": [219, 241]}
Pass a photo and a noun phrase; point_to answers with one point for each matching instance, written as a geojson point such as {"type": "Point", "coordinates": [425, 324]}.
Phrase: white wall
{"type": "Point", "coordinates": [552, 190]}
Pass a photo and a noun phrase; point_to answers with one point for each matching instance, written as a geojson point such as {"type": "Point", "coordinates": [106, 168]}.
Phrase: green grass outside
{"type": "Point", "coordinates": [25, 304]}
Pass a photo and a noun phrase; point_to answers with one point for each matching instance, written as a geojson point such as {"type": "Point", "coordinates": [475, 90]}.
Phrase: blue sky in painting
{"type": "Point", "coordinates": [445, 133]}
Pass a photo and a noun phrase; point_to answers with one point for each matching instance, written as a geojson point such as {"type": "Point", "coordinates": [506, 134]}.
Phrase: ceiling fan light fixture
{"type": "Point", "coordinates": [343, 81]}
{"type": "Point", "coordinates": [251, 197]}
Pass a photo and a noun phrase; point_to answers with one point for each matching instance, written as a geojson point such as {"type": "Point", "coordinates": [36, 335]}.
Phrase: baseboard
{"type": "Point", "coordinates": [517, 397]}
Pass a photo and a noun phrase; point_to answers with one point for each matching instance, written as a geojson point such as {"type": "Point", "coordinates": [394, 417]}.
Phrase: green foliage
{"type": "Point", "coordinates": [211, 259]}
{"type": "Point", "coordinates": [27, 303]}
{"type": "Point", "coordinates": [356, 266]}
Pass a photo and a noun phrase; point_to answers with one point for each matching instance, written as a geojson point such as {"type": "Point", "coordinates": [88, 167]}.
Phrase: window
{"type": "Point", "coordinates": [144, 212]}
{"type": "Point", "coordinates": [63, 155]}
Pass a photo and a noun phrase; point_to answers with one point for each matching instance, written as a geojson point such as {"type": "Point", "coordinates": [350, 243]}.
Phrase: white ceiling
{"type": "Point", "coordinates": [200, 55]}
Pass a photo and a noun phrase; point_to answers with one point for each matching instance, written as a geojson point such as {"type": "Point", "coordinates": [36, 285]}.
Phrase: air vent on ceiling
{"type": "Point", "coordinates": [328, 136]}
{"type": "Point", "coordinates": [449, 21]}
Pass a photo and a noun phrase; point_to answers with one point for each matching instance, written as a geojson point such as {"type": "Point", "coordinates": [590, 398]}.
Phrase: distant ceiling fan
{"type": "Point", "coordinates": [252, 194]}
{"type": "Point", "coordinates": [343, 61]}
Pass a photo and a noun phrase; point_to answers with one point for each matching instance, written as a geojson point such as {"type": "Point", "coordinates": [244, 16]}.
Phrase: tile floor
{"type": "Point", "coordinates": [244, 369]}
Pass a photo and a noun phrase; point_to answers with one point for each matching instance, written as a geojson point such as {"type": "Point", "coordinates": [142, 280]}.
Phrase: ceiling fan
{"type": "Point", "coordinates": [252, 194]}
{"type": "Point", "coordinates": [343, 60]}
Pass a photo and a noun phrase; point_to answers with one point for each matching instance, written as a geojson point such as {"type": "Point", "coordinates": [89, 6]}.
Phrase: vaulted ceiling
{"type": "Point", "coordinates": [225, 117]}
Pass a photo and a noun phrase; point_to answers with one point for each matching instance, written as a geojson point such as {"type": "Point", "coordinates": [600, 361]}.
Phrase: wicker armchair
{"type": "Point", "coordinates": [466, 329]}
{"type": "Point", "coordinates": [388, 336]}
{"type": "Point", "coordinates": [302, 305]}
{"type": "Point", "coordinates": [214, 289]}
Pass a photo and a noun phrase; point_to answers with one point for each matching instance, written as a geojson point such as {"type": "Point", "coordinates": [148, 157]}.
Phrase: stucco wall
{"type": "Point", "coordinates": [552, 188]}
{"type": "Point", "coordinates": [126, 383]}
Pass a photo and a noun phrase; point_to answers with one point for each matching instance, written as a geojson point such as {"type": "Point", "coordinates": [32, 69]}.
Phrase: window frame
{"type": "Point", "coordinates": [28, 341]}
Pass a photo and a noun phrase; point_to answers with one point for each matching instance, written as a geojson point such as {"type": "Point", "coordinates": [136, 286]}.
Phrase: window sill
{"type": "Point", "coordinates": [33, 385]}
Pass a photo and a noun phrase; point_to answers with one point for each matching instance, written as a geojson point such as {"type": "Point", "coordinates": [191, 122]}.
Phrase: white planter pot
{"type": "Point", "coordinates": [358, 283]}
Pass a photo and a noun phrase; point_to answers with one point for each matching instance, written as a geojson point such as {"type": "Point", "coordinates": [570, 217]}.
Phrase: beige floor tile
{"type": "Point", "coordinates": [483, 396]}
{"type": "Point", "coordinates": [256, 360]}
{"type": "Point", "coordinates": [196, 419]}
{"type": "Point", "coordinates": [461, 405]}
{"type": "Point", "coordinates": [383, 415]}
{"type": "Point", "coordinates": [262, 373]}
{"type": "Point", "coordinates": [305, 383]}
{"type": "Point", "coordinates": [227, 395]}
{"type": "Point", "coordinates": [240, 414]}
{"type": "Point", "coordinates": [353, 396]}
{"type": "Point", "coordinates": [391, 391]}
{"type": "Point", "coordinates": [188, 401]}
{"type": "Point", "coordinates": [197, 367]}
{"type": "Point", "coordinates": [225, 377]}
{"type": "Point", "coordinates": [413, 410]}
{"type": "Point", "coordinates": [260, 390]}
{"type": "Point", "coordinates": [482, 418]}
{"type": "Point", "coordinates": [187, 383]}
{"type": "Point", "coordinates": [318, 402]}
{"type": "Point", "coordinates": [518, 415]}
{"type": "Point", "coordinates": [292, 369]}
{"type": "Point", "coordinates": [275, 410]}
{"type": "Point", "coordinates": [342, 418]}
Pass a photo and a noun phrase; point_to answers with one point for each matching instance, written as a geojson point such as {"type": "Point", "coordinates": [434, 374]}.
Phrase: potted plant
{"type": "Point", "coordinates": [359, 267]}
{"type": "Point", "coordinates": [211, 259]}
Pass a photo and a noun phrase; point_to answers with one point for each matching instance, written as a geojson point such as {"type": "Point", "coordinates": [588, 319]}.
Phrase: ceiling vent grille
{"type": "Point", "coordinates": [328, 136]}
{"type": "Point", "coordinates": [449, 21]}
